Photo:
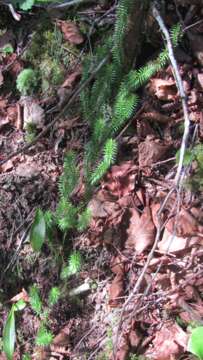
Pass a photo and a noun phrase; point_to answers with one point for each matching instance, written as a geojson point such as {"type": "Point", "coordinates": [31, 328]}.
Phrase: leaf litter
{"type": "Point", "coordinates": [124, 220]}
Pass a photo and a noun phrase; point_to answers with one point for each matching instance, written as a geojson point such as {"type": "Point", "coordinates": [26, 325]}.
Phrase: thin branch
{"type": "Point", "coordinates": [179, 83]}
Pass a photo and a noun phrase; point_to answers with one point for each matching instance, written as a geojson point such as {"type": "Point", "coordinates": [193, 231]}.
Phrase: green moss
{"type": "Point", "coordinates": [27, 81]}
{"type": "Point", "coordinates": [50, 58]}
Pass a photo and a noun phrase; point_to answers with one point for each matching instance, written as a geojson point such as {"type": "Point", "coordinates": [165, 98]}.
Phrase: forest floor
{"type": "Point", "coordinates": [127, 310]}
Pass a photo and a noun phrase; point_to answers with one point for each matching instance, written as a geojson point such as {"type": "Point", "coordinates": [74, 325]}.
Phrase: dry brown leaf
{"type": "Point", "coordinates": [163, 89]}
{"type": "Point", "coordinates": [134, 338]}
{"type": "Point", "coordinates": [116, 290]}
{"type": "Point", "coordinates": [117, 265]}
{"type": "Point", "coordinates": [123, 351]}
{"type": "Point", "coordinates": [172, 243]}
{"type": "Point", "coordinates": [120, 181]}
{"type": "Point", "coordinates": [23, 295]}
{"type": "Point", "coordinates": [170, 341]}
{"type": "Point", "coordinates": [151, 150]}
{"type": "Point", "coordinates": [186, 224]}
{"type": "Point", "coordinates": [70, 32]}
{"type": "Point", "coordinates": [141, 231]}
{"type": "Point", "coordinates": [72, 78]}
{"type": "Point", "coordinates": [8, 166]}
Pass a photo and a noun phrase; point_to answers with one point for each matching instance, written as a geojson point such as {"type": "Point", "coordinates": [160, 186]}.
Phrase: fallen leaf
{"type": "Point", "coordinates": [151, 150]}
{"type": "Point", "coordinates": [27, 170]}
{"type": "Point", "coordinates": [186, 224]}
{"type": "Point", "coordinates": [173, 243]}
{"type": "Point", "coordinates": [116, 290]}
{"type": "Point", "coordinates": [163, 89]}
{"type": "Point", "coordinates": [73, 77]}
{"type": "Point", "coordinates": [170, 341]}
{"type": "Point", "coordinates": [141, 231]}
{"type": "Point", "coordinates": [120, 180]}
{"type": "Point", "coordinates": [23, 295]}
{"type": "Point", "coordinates": [70, 32]}
{"type": "Point", "coordinates": [7, 166]}
{"type": "Point", "coordinates": [123, 350]}
{"type": "Point", "coordinates": [117, 265]}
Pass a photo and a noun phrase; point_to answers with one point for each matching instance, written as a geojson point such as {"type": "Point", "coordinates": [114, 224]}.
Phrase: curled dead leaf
{"type": "Point", "coordinates": [141, 231]}
{"type": "Point", "coordinates": [70, 32]}
{"type": "Point", "coordinates": [170, 341]}
{"type": "Point", "coordinates": [163, 89]}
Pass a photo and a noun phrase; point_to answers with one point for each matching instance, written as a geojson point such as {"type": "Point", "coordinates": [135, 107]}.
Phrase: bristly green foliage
{"type": "Point", "coordinates": [54, 296]}
{"type": "Point", "coordinates": [110, 151]}
{"type": "Point", "coordinates": [35, 300]}
{"type": "Point", "coordinates": [84, 219]}
{"type": "Point", "coordinates": [107, 104]}
{"type": "Point", "coordinates": [69, 179]}
{"type": "Point", "coordinates": [74, 265]}
{"type": "Point", "coordinates": [66, 215]}
{"type": "Point", "coordinates": [44, 337]}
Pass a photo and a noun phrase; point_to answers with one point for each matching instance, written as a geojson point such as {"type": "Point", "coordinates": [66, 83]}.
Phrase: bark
{"type": "Point", "coordinates": [134, 35]}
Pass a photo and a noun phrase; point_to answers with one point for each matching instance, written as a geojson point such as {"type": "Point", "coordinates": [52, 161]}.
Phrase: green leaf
{"type": "Point", "coordinates": [44, 337]}
{"type": "Point", "coordinates": [195, 344]}
{"type": "Point", "coordinates": [9, 335]}
{"type": "Point", "coordinates": [20, 305]}
{"type": "Point", "coordinates": [54, 295]}
{"type": "Point", "coordinates": [35, 300]}
{"type": "Point", "coordinates": [38, 231]}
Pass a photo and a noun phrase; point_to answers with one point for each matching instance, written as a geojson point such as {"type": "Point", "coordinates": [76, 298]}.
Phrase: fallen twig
{"type": "Point", "coordinates": [179, 83]}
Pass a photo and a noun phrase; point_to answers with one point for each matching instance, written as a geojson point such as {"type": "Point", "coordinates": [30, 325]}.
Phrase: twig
{"type": "Point", "coordinates": [179, 83]}
{"type": "Point", "coordinates": [71, 99]}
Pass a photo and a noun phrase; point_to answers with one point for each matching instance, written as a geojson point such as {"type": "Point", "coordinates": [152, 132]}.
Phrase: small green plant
{"type": "Point", "coordinates": [74, 265]}
{"type": "Point", "coordinates": [27, 81]}
{"type": "Point", "coordinates": [9, 332]}
{"type": "Point", "coordinates": [195, 344]}
{"type": "Point", "coordinates": [44, 336]}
